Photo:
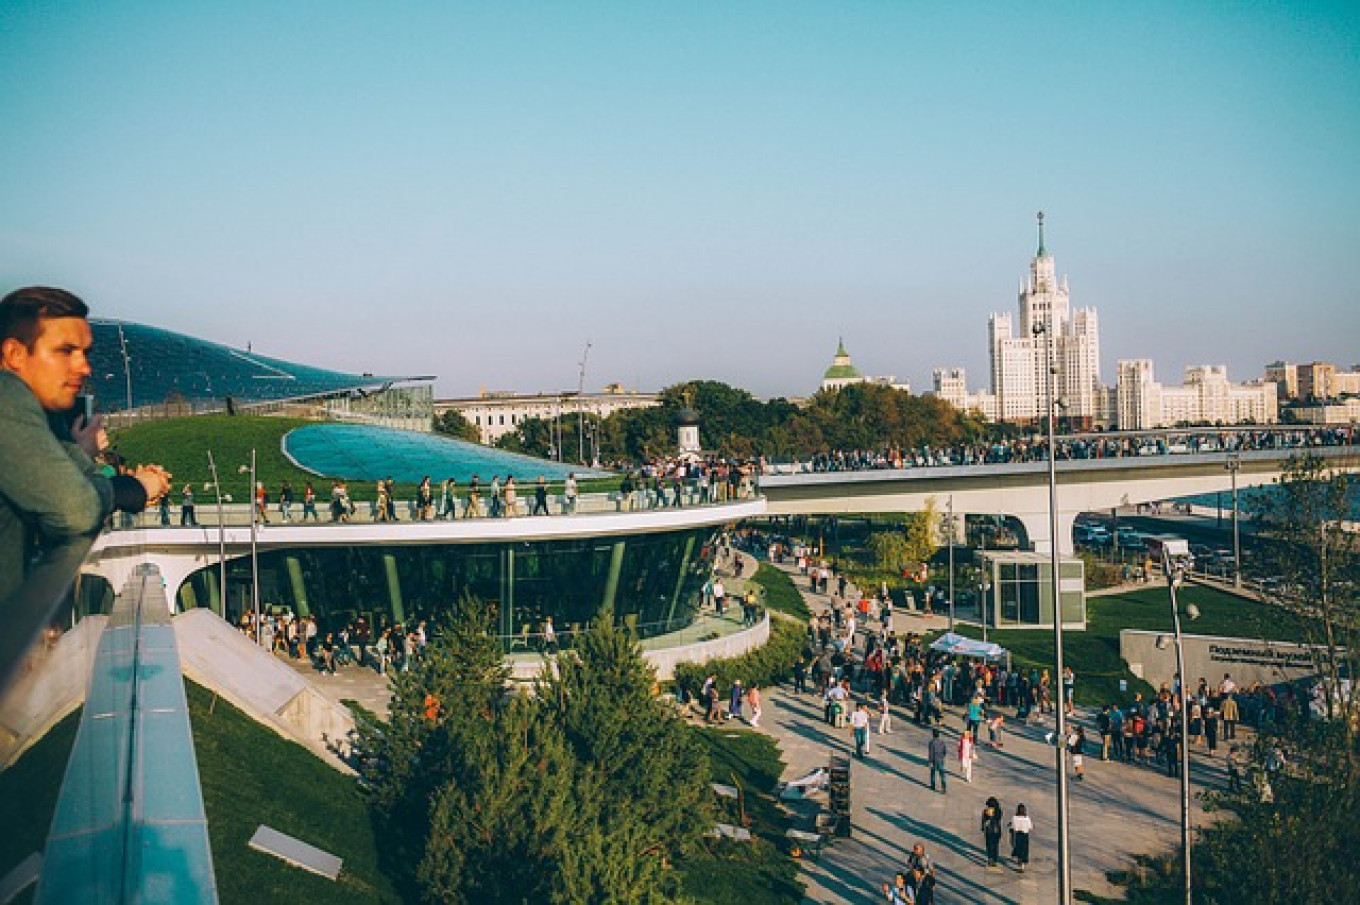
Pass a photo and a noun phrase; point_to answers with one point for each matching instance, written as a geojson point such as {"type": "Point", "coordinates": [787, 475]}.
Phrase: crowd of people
{"type": "Point", "coordinates": [357, 643]}
{"type": "Point", "coordinates": [1086, 446]}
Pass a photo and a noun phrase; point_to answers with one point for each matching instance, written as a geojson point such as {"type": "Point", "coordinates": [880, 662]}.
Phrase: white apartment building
{"type": "Point", "coordinates": [496, 413]}
{"type": "Point", "coordinates": [1206, 397]}
{"type": "Point", "coordinates": [951, 385]}
{"type": "Point", "coordinates": [1047, 325]}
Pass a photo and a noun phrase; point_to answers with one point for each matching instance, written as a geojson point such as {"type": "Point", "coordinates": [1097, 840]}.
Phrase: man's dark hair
{"type": "Point", "coordinates": [23, 310]}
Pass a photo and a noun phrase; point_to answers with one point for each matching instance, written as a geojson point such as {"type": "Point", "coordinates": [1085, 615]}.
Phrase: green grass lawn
{"type": "Point", "coordinates": [1094, 653]}
{"type": "Point", "coordinates": [251, 776]}
{"type": "Point", "coordinates": [182, 445]}
{"type": "Point", "coordinates": [780, 594]}
{"type": "Point", "coordinates": [28, 795]}
{"type": "Point", "coordinates": [740, 873]}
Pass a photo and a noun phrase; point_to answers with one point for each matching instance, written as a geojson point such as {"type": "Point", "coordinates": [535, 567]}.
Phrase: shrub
{"type": "Point", "coordinates": [767, 665]}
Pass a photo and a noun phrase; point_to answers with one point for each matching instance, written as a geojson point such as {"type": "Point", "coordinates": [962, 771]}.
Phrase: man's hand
{"type": "Point", "coordinates": [89, 434]}
{"type": "Point", "coordinates": [155, 480]}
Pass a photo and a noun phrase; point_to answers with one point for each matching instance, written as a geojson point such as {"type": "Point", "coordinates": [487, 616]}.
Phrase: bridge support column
{"type": "Point", "coordinates": [1037, 525]}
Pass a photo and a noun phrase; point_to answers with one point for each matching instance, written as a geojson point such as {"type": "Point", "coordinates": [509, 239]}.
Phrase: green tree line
{"type": "Point", "coordinates": [735, 423]}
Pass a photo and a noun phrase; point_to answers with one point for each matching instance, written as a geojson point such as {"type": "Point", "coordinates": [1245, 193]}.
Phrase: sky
{"type": "Point", "coordinates": [695, 189]}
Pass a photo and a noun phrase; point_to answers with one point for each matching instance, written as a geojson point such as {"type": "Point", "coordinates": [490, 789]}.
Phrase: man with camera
{"type": "Point", "coordinates": [51, 492]}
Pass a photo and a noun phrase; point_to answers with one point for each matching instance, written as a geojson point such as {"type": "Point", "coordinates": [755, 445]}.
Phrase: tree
{"type": "Point", "coordinates": [453, 424]}
{"type": "Point", "coordinates": [921, 532]}
{"type": "Point", "coordinates": [437, 711]}
{"type": "Point", "coordinates": [1317, 559]}
{"type": "Point", "coordinates": [1296, 844]}
{"type": "Point", "coordinates": [890, 550]}
{"type": "Point", "coordinates": [513, 825]}
{"type": "Point", "coordinates": [655, 802]}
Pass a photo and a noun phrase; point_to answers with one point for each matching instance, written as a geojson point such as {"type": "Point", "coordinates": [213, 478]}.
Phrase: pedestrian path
{"type": "Point", "coordinates": [1117, 811]}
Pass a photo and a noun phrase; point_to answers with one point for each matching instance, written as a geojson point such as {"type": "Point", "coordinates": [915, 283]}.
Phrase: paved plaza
{"type": "Point", "coordinates": [1116, 811]}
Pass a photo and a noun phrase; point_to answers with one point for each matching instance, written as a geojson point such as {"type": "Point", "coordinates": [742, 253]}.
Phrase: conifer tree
{"type": "Point", "coordinates": [513, 824]}
{"type": "Point", "coordinates": [655, 802]}
{"type": "Point", "coordinates": [448, 698]}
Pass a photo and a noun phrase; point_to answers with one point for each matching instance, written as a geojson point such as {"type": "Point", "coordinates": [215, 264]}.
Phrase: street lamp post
{"type": "Point", "coordinates": [984, 602]}
{"type": "Point", "coordinates": [221, 538]}
{"type": "Point", "coordinates": [1045, 328]}
{"type": "Point", "coordinates": [1174, 557]}
{"type": "Point", "coordinates": [580, 413]}
{"type": "Point", "coordinates": [950, 539]}
{"type": "Point", "coordinates": [254, 550]}
{"type": "Point", "coordinates": [1235, 463]}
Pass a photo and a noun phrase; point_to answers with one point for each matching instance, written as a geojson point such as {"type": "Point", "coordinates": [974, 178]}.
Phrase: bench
{"type": "Point", "coordinates": [810, 843]}
{"type": "Point", "coordinates": [728, 831]}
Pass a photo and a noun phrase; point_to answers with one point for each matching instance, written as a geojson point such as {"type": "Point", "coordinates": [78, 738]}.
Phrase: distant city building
{"type": "Point", "coordinates": [1285, 376]}
{"type": "Point", "coordinates": [1347, 411]}
{"type": "Point", "coordinates": [1019, 356]}
{"type": "Point", "coordinates": [1206, 397]}
{"type": "Point", "coordinates": [843, 372]}
{"type": "Point", "coordinates": [1315, 381]}
{"type": "Point", "coordinates": [496, 413]}
{"type": "Point", "coordinates": [951, 385]}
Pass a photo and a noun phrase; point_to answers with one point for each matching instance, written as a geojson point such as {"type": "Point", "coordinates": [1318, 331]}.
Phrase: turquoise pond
{"type": "Point", "coordinates": [361, 452]}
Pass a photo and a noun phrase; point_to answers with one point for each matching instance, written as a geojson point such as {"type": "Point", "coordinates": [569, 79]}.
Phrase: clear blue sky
{"type": "Point", "coordinates": [699, 189]}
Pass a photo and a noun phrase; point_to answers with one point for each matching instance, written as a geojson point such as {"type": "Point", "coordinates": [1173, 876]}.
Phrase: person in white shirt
{"type": "Point", "coordinates": [1021, 827]}
{"type": "Point", "coordinates": [859, 722]}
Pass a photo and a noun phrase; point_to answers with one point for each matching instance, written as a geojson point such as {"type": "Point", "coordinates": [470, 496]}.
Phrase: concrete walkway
{"type": "Point", "coordinates": [1116, 811]}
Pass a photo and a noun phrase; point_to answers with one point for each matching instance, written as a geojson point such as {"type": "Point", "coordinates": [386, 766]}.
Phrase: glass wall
{"type": "Point", "coordinates": [1022, 595]}
{"type": "Point", "coordinates": [651, 582]}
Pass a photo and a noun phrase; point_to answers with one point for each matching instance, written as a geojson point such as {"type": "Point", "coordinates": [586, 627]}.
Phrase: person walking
{"type": "Point", "coordinates": [936, 753]}
{"type": "Point", "coordinates": [753, 699]}
{"type": "Point", "coordinates": [991, 830]}
{"type": "Point", "coordinates": [884, 716]}
{"type": "Point", "coordinates": [1076, 746]}
{"type": "Point", "coordinates": [967, 754]}
{"type": "Point", "coordinates": [1021, 826]}
{"type": "Point", "coordinates": [859, 723]}
{"type": "Point", "coordinates": [1231, 715]}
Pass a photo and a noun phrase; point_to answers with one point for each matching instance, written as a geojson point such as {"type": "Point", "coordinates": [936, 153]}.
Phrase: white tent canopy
{"type": "Point", "coordinates": [951, 643]}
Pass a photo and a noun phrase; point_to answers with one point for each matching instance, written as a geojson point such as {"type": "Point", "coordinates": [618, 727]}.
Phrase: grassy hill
{"type": "Point", "coordinates": [182, 446]}
{"type": "Point", "coordinates": [1094, 653]}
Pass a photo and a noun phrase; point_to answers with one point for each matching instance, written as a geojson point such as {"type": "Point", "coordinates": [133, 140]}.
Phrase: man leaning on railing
{"type": "Point", "coordinates": [51, 493]}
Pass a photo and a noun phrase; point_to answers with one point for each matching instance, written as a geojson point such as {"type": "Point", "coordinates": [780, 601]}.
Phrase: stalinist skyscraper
{"type": "Point", "coordinates": [1018, 357]}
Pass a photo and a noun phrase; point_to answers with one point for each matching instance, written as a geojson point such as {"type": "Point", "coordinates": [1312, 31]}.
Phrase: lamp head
{"type": "Point", "coordinates": [1191, 611]}
{"type": "Point", "coordinates": [243, 469]}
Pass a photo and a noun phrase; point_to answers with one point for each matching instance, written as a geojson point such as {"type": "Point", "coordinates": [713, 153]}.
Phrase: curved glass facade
{"type": "Point", "coordinates": [651, 582]}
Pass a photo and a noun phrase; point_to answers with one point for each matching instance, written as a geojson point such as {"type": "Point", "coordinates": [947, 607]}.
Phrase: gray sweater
{"type": "Point", "coordinates": [50, 492]}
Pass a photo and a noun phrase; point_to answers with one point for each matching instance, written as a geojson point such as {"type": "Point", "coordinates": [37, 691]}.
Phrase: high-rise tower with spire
{"type": "Point", "coordinates": [1018, 358]}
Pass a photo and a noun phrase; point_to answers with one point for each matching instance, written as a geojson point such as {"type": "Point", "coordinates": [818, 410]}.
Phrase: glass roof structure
{"type": "Point", "coordinates": [367, 453]}
{"type": "Point", "coordinates": [164, 366]}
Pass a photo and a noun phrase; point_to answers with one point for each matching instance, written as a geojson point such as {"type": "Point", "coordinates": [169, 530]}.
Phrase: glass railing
{"type": "Point", "coordinates": [234, 514]}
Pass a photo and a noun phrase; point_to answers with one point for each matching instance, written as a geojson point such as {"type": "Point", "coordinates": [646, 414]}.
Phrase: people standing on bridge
{"type": "Point", "coordinates": [186, 507]}
{"type": "Point", "coordinates": [424, 500]}
{"type": "Point", "coordinates": [540, 497]}
{"type": "Point", "coordinates": [309, 502]}
{"type": "Point", "coordinates": [286, 501]}
{"type": "Point", "coordinates": [474, 500]}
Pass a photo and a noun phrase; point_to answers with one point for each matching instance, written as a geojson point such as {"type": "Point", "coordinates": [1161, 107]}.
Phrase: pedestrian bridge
{"type": "Point", "coordinates": [1021, 489]}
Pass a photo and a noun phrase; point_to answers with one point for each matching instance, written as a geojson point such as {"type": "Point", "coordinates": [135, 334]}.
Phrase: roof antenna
{"type": "Point", "coordinates": [1042, 252]}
